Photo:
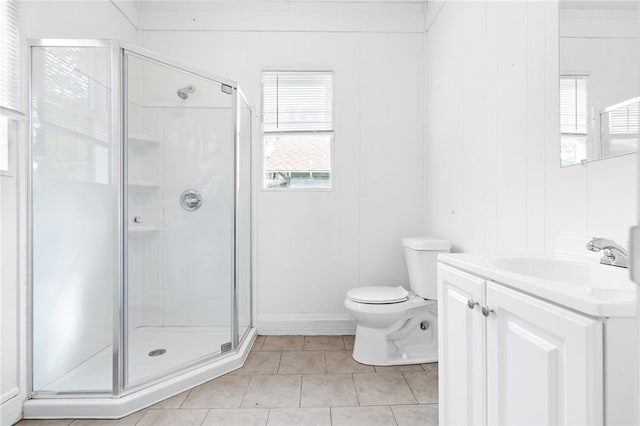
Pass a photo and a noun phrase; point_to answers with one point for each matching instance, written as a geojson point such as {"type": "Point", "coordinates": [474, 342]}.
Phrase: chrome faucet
{"type": "Point", "coordinates": [613, 254]}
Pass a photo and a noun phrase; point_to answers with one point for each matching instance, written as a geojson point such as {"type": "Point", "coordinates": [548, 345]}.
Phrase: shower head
{"type": "Point", "coordinates": [185, 91]}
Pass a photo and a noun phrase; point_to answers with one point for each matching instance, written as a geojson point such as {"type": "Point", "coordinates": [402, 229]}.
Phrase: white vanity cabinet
{"type": "Point", "coordinates": [461, 348]}
{"type": "Point", "coordinates": [507, 358]}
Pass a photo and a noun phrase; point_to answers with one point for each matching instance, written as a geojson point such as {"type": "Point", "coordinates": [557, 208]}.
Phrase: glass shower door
{"type": "Point", "coordinates": [180, 218]}
{"type": "Point", "coordinates": [74, 178]}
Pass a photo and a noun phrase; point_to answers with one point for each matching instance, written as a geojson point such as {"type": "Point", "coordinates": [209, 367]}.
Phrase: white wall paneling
{"type": "Point", "coordinates": [98, 19]}
{"type": "Point", "coordinates": [314, 246]}
{"type": "Point", "coordinates": [279, 16]}
{"type": "Point", "coordinates": [12, 289]}
{"type": "Point", "coordinates": [493, 178]}
{"type": "Point", "coordinates": [311, 247]}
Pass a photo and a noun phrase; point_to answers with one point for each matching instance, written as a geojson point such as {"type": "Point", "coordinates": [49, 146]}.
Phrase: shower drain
{"type": "Point", "coordinates": [157, 352]}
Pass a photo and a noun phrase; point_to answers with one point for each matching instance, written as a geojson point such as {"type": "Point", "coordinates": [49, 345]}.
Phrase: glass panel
{"type": "Point", "coordinates": [243, 230]}
{"type": "Point", "coordinates": [180, 219]}
{"type": "Point", "coordinates": [74, 210]}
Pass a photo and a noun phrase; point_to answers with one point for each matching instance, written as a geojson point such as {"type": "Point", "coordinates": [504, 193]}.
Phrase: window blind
{"type": "Point", "coordinates": [9, 56]}
{"type": "Point", "coordinates": [625, 120]}
{"type": "Point", "coordinates": [297, 101]}
{"type": "Point", "coordinates": [574, 101]}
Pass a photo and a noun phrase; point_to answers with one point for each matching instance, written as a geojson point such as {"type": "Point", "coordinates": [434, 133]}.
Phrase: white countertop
{"type": "Point", "coordinates": [615, 299]}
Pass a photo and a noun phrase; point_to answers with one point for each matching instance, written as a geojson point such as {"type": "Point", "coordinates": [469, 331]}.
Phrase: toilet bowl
{"type": "Point", "coordinates": [396, 326]}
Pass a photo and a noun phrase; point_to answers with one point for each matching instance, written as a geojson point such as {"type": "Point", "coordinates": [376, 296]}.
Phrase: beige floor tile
{"type": "Point", "coordinates": [267, 391]}
{"type": "Point", "coordinates": [57, 422]}
{"type": "Point", "coordinates": [343, 362]}
{"type": "Point", "coordinates": [362, 416]}
{"type": "Point", "coordinates": [348, 342]}
{"type": "Point", "coordinates": [260, 363]}
{"type": "Point", "coordinates": [299, 417]}
{"type": "Point", "coordinates": [129, 420]}
{"type": "Point", "coordinates": [302, 362]}
{"type": "Point", "coordinates": [173, 418]}
{"type": "Point", "coordinates": [283, 343]}
{"type": "Point", "coordinates": [328, 390]}
{"type": "Point", "coordinates": [258, 343]}
{"type": "Point", "coordinates": [223, 392]}
{"type": "Point", "coordinates": [237, 417]}
{"type": "Point", "coordinates": [416, 415]}
{"type": "Point", "coordinates": [172, 402]}
{"type": "Point", "coordinates": [383, 389]}
{"type": "Point", "coordinates": [323, 343]}
{"type": "Point", "coordinates": [424, 386]}
{"type": "Point", "coordinates": [399, 368]}
{"type": "Point", "coordinates": [432, 366]}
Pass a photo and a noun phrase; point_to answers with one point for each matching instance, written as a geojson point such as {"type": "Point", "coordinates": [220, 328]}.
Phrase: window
{"type": "Point", "coordinates": [298, 129]}
{"type": "Point", "coordinates": [620, 128]}
{"type": "Point", "coordinates": [9, 77]}
{"type": "Point", "coordinates": [574, 127]}
{"type": "Point", "coordinates": [9, 56]}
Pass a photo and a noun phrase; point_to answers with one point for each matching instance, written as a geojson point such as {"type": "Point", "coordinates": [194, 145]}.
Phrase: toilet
{"type": "Point", "coordinates": [396, 326]}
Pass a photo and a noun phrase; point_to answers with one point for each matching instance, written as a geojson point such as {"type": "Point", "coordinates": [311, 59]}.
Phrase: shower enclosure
{"type": "Point", "coordinates": [140, 228]}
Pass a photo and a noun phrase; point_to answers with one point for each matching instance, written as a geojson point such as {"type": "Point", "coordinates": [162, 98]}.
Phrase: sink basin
{"type": "Point", "coordinates": [583, 285]}
{"type": "Point", "coordinates": [566, 271]}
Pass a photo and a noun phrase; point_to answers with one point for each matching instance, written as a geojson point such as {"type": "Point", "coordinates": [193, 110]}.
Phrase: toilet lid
{"type": "Point", "coordinates": [378, 295]}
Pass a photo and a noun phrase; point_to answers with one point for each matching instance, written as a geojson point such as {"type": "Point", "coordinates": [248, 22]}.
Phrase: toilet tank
{"type": "Point", "coordinates": [422, 257]}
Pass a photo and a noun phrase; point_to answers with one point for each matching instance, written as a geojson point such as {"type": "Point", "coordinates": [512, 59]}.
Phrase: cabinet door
{"type": "Point", "coordinates": [461, 348]}
{"type": "Point", "coordinates": [544, 363]}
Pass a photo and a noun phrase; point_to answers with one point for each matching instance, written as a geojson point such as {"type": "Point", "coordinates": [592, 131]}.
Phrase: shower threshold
{"type": "Point", "coordinates": [187, 344]}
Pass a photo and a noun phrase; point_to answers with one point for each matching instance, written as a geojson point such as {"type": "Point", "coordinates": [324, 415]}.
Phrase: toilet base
{"type": "Point", "coordinates": [403, 343]}
{"type": "Point", "coordinates": [419, 356]}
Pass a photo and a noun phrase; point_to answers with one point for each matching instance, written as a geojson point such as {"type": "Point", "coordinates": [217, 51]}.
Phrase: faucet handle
{"type": "Point", "coordinates": [591, 245]}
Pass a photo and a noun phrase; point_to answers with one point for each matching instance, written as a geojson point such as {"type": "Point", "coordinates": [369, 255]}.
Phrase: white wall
{"type": "Point", "coordinates": [314, 246]}
{"type": "Point", "coordinates": [95, 19]}
{"type": "Point", "coordinates": [492, 165]}
{"type": "Point", "coordinates": [13, 363]}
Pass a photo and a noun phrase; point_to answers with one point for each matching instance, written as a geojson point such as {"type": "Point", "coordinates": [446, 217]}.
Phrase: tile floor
{"type": "Point", "coordinates": [296, 381]}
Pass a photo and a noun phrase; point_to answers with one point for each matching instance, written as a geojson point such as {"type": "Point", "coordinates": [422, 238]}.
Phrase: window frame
{"type": "Point", "coordinates": [589, 135]}
{"type": "Point", "coordinates": [331, 187]}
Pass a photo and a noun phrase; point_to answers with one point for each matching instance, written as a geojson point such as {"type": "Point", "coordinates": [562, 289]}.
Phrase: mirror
{"type": "Point", "coordinates": [599, 80]}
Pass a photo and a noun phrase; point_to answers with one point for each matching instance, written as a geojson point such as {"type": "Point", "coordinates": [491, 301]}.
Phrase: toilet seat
{"type": "Point", "coordinates": [378, 295]}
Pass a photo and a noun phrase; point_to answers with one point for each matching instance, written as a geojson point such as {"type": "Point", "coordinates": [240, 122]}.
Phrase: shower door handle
{"type": "Point", "coordinates": [191, 200]}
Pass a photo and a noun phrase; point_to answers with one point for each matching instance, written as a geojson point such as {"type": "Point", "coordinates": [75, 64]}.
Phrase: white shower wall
{"type": "Point", "coordinates": [198, 246]}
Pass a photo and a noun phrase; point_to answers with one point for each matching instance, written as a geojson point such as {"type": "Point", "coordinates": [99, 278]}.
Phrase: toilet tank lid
{"type": "Point", "coordinates": [426, 244]}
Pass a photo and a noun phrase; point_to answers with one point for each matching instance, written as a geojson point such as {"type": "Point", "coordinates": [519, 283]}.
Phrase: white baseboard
{"type": "Point", "coordinates": [306, 324]}
{"type": "Point", "coordinates": [11, 410]}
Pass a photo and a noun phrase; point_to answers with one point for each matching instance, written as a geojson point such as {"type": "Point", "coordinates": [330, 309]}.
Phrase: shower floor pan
{"type": "Point", "coordinates": [182, 344]}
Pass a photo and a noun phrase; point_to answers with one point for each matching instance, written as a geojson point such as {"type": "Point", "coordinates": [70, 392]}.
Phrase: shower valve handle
{"type": "Point", "coordinates": [191, 200]}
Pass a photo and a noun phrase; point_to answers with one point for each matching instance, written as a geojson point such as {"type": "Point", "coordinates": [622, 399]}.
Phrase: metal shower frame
{"type": "Point", "coordinates": [119, 139]}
